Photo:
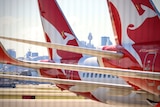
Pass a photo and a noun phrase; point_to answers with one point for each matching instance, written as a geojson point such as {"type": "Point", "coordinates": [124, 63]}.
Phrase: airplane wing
{"type": "Point", "coordinates": [92, 52]}
{"type": "Point", "coordinates": [104, 70]}
{"type": "Point", "coordinates": [76, 85]}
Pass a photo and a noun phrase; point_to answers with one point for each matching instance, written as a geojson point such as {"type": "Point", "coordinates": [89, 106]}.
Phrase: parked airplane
{"type": "Point", "coordinates": [135, 57]}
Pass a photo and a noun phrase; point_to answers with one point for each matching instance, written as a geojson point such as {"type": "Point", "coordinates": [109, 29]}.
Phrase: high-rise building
{"type": "Point", "coordinates": [12, 52]}
{"type": "Point", "coordinates": [105, 41]}
{"type": "Point", "coordinates": [28, 54]}
{"type": "Point", "coordinates": [34, 54]}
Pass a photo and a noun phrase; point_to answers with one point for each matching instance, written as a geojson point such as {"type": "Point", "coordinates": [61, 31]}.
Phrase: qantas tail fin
{"type": "Point", "coordinates": [57, 30]}
{"type": "Point", "coordinates": [134, 21]}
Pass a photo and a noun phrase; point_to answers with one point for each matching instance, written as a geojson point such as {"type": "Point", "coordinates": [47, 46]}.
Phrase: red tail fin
{"type": "Point", "coordinates": [134, 21]}
{"type": "Point", "coordinates": [57, 30]}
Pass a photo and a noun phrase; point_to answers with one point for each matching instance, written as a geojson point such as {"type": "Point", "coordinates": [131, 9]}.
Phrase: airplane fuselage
{"type": "Point", "coordinates": [150, 59]}
{"type": "Point", "coordinates": [103, 94]}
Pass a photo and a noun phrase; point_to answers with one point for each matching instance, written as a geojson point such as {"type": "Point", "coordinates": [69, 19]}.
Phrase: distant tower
{"type": "Point", "coordinates": [90, 37]}
{"type": "Point", "coordinates": [105, 41]}
{"type": "Point", "coordinates": [12, 52]}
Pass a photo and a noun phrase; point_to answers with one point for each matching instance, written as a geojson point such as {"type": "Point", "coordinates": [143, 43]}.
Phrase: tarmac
{"type": "Point", "coordinates": [50, 103]}
{"type": "Point", "coordinates": [56, 103]}
{"type": "Point", "coordinates": [46, 97]}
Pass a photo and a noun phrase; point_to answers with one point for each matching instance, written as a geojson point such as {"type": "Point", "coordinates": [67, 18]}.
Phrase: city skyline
{"type": "Point", "coordinates": [33, 54]}
{"type": "Point", "coordinates": [21, 19]}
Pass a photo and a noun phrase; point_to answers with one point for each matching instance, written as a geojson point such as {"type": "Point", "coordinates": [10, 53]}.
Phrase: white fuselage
{"type": "Point", "coordinates": [107, 95]}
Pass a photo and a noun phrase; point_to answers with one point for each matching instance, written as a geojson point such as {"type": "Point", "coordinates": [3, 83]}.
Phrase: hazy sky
{"type": "Point", "coordinates": [20, 19]}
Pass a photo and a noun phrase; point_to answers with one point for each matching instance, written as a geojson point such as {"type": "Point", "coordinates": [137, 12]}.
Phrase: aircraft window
{"type": "Point", "coordinates": [91, 75]}
{"type": "Point", "coordinates": [104, 75]}
{"type": "Point", "coordinates": [83, 74]}
{"type": "Point", "coordinates": [87, 75]}
{"type": "Point", "coordinates": [109, 76]}
{"type": "Point", "coordinates": [100, 75]}
{"type": "Point", "coordinates": [112, 76]}
{"type": "Point", "coordinates": [96, 75]}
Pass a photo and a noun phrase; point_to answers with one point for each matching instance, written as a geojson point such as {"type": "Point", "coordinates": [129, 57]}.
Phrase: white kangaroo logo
{"type": "Point", "coordinates": [129, 15]}
{"type": "Point", "coordinates": [148, 13]}
{"type": "Point", "coordinates": [55, 37]}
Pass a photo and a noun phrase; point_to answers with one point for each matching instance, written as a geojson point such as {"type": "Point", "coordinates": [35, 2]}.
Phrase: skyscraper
{"type": "Point", "coordinates": [12, 52]}
{"type": "Point", "coordinates": [105, 41]}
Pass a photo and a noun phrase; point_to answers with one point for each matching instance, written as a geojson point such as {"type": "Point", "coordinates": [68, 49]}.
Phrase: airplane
{"type": "Point", "coordinates": [127, 73]}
